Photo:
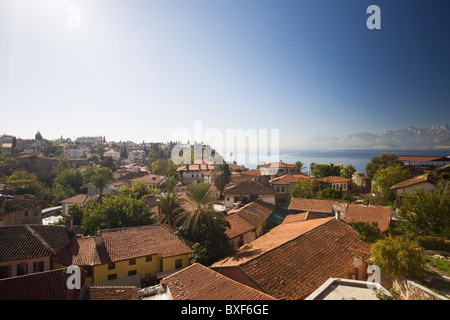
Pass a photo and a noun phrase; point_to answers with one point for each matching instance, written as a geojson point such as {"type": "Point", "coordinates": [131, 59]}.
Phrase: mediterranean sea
{"type": "Point", "coordinates": [357, 158]}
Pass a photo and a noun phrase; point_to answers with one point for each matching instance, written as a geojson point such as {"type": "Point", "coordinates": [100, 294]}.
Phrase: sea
{"type": "Point", "coordinates": [357, 158]}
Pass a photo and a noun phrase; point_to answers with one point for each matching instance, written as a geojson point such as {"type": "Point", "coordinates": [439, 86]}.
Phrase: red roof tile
{"type": "Point", "coordinates": [198, 282]}
{"type": "Point", "coordinates": [125, 243]}
{"type": "Point", "coordinates": [316, 205]}
{"type": "Point", "coordinates": [379, 214]}
{"type": "Point", "coordinates": [294, 259]}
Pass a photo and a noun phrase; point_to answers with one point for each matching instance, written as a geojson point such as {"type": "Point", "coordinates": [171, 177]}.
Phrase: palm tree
{"type": "Point", "coordinates": [202, 199]}
{"type": "Point", "coordinates": [221, 176]}
{"type": "Point", "coordinates": [169, 204]}
{"type": "Point", "coordinates": [100, 179]}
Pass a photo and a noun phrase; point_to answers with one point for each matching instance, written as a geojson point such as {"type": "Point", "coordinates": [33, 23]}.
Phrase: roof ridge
{"type": "Point", "coordinates": [292, 239]}
{"type": "Point", "coordinates": [39, 237]}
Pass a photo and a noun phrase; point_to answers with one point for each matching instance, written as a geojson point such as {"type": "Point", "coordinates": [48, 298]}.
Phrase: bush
{"type": "Point", "coordinates": [399, 256]}
{"type": "Point", "coordinates": [434, 243]}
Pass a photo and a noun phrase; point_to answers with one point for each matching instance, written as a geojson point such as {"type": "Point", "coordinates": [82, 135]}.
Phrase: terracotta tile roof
{"type": "Point", "coordinates": [410, 182]}
{"type": "Point", "coordinates": [198, 282]}
{"type": "Point", "coordinates": [333, 179]}
{"type": "Point", "coordinates": [379, 214]}
{"type": "Point", "coordinates": [31, 241]}
{"type": "Point", "coordinates": [125, 243]}
{"type": "Point", "coordinates": [248, 187]}
{"type": "Point", "coordinates": [47, 285]}
{"type": "Point", "coordinates": [253, 172]}
{"type": "Point", "coordinates": [316, 205]}
{"type": "Point", "coordinates": [294, 259]}
{"type": "Point", "coordinates": [423, 158]}
{"type": "Point", "coordinates": [289, 178]}
{"type": "Point", "coordinates": [21, 242]}
{"type": "Point", "coordinates": [248, 217]}
{"type": "Point", "coordinates": [113, 293]}
{"type": "Point", "coordinates": [150, 179]}
{"type": "Point", "coordinates": [255, 212]}
{"type": "Point", "coordinates": [301, 217]}
{"type": "Point", "coordinates": [78, 199]}
{"type": "Point", "coordinates": [238, 226]}
{"type": "Point", "coordinates": [280, 164]}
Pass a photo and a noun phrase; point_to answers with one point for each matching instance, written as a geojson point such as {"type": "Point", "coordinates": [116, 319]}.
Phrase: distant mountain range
{"type": "Point", "coordinates": [408, 138]}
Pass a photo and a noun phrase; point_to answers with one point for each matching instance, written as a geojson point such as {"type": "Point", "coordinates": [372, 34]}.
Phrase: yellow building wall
{"type": "Point", "coordinates": [101, 272]}
{"type": "Point", "coordinates": [142, 267]}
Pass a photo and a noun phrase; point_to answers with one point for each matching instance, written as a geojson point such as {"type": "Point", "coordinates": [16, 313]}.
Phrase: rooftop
{"type": "Point", "coordinates": [410, 182]}
{"type": "Point", "coordinates": [294, 259]}
{"type": "Point", "coordinates": [248, 187]}
{"type": "Point", "coordinates": [125, 243]}
{"type": "Point", "coordinates": [198, 282]}
{"type": "Point", "coordinates": [346, 289]}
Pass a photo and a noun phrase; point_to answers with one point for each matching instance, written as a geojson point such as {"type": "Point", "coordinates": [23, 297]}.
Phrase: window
{"type": "Point", "coordinates": [132, 272]}
{"type": "Point", "coordinates": [5, 272]}
{"type": "Point", "coordinates": [132, 262]}
{"type": "Point", "coordinates": [112, 276]}
{"type": "Point", "coordinates": [282, 189]}
{"type": "Point", "coordinates": [111, 266]}
{"type": "Point", "coordinates": [148, 258]}
{"type": "Point", "coordinates": [36, 213]}
{"type": "Point", "coordinates": [26, 213]}
{"type": "Point", "coordinates": [178, 263]}
{"type": "Point", "coordinates": [22, 268]}
{"type": "Point", "coordinates": [38, 266]}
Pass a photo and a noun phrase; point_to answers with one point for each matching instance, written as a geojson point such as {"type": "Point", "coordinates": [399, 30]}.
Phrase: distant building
{"type": "Point", "coordinates": [248, 191]}
{"type": "Point", "coordinates": [14, 210]}
{"type": "Point", "coordinates": [423, 181]}
{"type": "Point", "coordinates": [278, 169]}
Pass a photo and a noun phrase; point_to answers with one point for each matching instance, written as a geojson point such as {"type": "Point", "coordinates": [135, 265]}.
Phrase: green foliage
{"type": "Point", "coordinates": [212, 243]}
{"type": "Point", "coordinates": [202, 199]}
{"type": "Point", "coordinates": [115, 212]}
{"type": "Point", "coordinates": [425, 213]}
{"type": "Point", "coordinates": [76, 211]}
{"type": "Point", "coordinates": [434, 243]}
{"type": "Point", "coordinates": [221, 176]}
{"type": "Point", "coordinates": [330, 193]}
{"type": "Point", "coordinates": [368, 232]}
{"type": "Point", "coordinates": [325, 170]}
{"type": "Point", "coordinates": [305, 188]}
{"type": "Point", "coordinates": [63, 164]}
{"type": "Point", "coordinates": [20, 179]}
{"type": "Point", "coordinates": [348, 171]}
{"type": "Point", "coordinates": [385, 178]}
{"type": "Point", "coordinates": [399, 256]}
{"type": "Point", "coordinates": [164, 167]}
{"type": "Point", "coordinates": [100, 178]}
{"type": "Point", "coordinates": [169, 204]}
{"type": "Point", "coordinates": [73, 178]}
{"type": "Point", "coordinates": [138, 190]}
{"type": "Point", "coordinates": [380, 162]}
{"type": "Point", "coordinates": [51, 148]}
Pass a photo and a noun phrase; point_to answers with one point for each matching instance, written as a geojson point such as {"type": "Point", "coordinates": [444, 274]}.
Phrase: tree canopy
{"type": "Point", "coordinates": [380, 162]}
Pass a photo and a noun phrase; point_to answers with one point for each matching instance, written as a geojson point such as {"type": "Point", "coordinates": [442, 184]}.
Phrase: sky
{"type": "Point", "coordinates": [142, 70]}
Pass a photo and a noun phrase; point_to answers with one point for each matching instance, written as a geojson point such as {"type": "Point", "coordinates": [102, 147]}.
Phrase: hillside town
{"type": "Point", "coordinates": [90, 219]}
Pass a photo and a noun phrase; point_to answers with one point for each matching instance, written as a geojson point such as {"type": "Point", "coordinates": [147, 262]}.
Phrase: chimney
{"type": "Point", "coordinates": [69, 223]}
{"type": "Point", "coordinates": [98, 240]}
{"type": "Point", "coordinates": [337, 215]}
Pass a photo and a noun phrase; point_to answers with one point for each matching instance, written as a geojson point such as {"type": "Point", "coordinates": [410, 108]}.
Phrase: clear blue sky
{"type": "Point", "coordinates": [137, 70]}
